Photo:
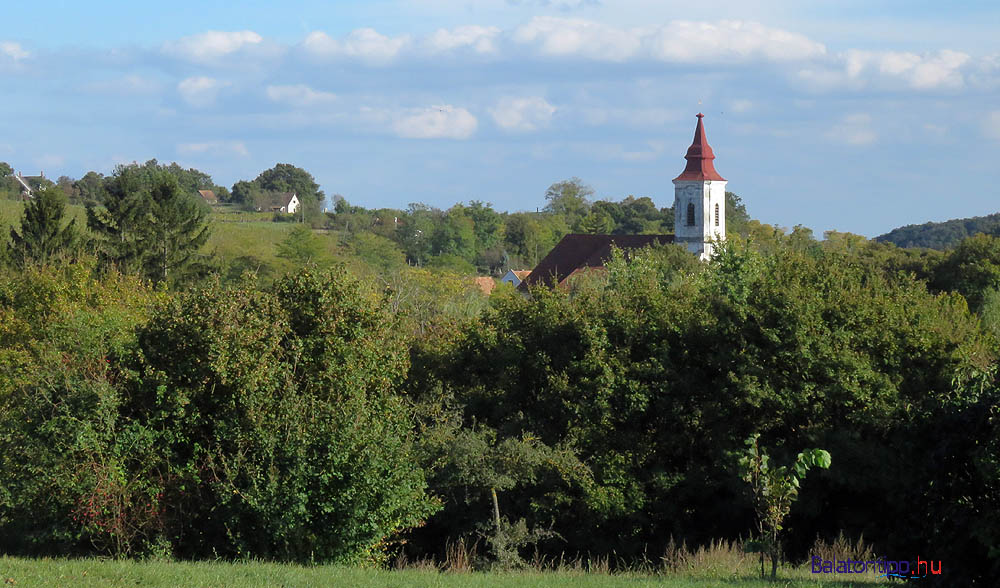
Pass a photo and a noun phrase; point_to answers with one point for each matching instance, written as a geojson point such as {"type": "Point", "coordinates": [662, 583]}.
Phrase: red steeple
{"type": "Point", "coordinates": [699, 157]}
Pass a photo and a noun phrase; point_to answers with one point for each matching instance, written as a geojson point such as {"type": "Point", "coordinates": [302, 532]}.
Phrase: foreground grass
{"type": "Point", "coordinates": [90, 572]}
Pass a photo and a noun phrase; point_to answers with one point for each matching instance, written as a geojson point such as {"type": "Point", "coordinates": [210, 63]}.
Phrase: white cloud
{"type": "Point", "coordinates": [993, 125]}
{"type": "Point", "coordinates": [687, 42]}
{"type": "Point", "coordinates": [211, 45]}
{"type": "Point", "coordinates": [13, 50]}
{"type": "Point", "coordinates": [216, 148]}
{"type": "Point", "coordinates": [522, 114]}
{"type": "Point", "coordinates": [200, 91]}
{"type": "Point", "coordinates": [921, 72]}
{"type": "Point", "coordinates": [677, 41]}
{"type": "Point", "coordinates": [854, 129]}
{"type": "Point", "coordinates": [365, 44]}
{"type": "Point", "coordinates": [577, 37]}
{"type": "Point", "coordinates": [480, 39]}
{"type": "Point", "coordinates": [299, 95]}
{"type": "Point", "coordinates": [436, 122]}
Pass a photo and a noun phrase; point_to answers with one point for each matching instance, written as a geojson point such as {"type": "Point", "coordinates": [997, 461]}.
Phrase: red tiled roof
{"type": "Point", "coordinates": [485, 284]}
{"type": "Point", "coordinates": [699, 157]}
{"type": "Point", "coordinates": [521, 274]}
{"type": "Point", "coordinates": [576, 252]}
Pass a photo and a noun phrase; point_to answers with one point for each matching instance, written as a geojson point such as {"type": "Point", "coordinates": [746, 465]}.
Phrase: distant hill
{"type": "Point", "coordinates": [942, 235]}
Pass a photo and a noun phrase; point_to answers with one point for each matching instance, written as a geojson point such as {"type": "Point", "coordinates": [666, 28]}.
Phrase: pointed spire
{"type": "Point", "coordinates": [699, 157]}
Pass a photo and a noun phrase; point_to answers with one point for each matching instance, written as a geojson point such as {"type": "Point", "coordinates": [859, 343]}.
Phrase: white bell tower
{"type": "Point", "coordinates": [699, 198]}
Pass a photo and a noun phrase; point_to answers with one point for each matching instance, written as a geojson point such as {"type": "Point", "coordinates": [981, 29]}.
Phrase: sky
{"type": "Point", "coordinates": [845, 115]}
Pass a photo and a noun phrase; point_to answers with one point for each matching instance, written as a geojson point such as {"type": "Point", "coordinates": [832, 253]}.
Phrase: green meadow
{"type": "Point", "coordinates": [92, 572]}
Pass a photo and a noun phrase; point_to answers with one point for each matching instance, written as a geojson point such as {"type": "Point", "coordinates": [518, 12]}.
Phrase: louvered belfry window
{"type": "Point", "coordinates": [716, 215]}
{"type": "Point", "coordinates": [690, 219]}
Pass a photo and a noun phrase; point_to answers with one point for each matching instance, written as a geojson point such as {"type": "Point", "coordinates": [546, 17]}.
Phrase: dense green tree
{"type": "Point", "coordinates": [148, 224]}
{"type": "Point", "coordinates": [302, 246]}
{"type": "Point", "coordinates": [5, 169]}
{"type": "Point", "coordinates": [285, 177]}
{"type": "Point", "coordinates": [177, 227]}
{"type": "Point", "coordinates": [455, 235]}
{"type": "Point", "coordinates": [971, 269]}
{"type": "Point", "coordinates": [488, 224]}
{"type": "Point", "coordinates": [377, 251]}
{"type": "Point", "coordinates": [245, 192]}
{"type": "Point", "coordinates": [736, 215]}
{"type": "Point", "coordinates": [570, 198]}
{"type": "Point", "coordinates": [415, 233]}
{"type": "Point", "coordinates": [596, 223]}
{"type": "Point", "coordinates": [43, 236]}
{"type": "Point", "coordinates": [90, 189]}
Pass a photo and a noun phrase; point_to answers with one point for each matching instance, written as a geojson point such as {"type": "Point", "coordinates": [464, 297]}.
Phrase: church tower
{"type": "Point", "coordinates": [699, 198]}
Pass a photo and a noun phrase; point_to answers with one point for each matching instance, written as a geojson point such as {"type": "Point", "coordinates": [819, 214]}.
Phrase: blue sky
{"type": "Point", "coordinates": [851, 115]}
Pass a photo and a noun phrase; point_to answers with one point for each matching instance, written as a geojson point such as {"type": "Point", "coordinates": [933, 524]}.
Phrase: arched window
{"type": "Point", "coordinates": [716, 215]}
{"type": "Point", "coordinates": [690, 221]}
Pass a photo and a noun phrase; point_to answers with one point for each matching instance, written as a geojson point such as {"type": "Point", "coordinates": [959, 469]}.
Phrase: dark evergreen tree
{"type": "Point", "coordinates": [147, 223]}
{"type": "Point", "coordinates": [43, 235]}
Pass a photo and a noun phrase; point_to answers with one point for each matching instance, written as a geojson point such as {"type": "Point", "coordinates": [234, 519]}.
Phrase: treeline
{"type": "Point", "coordinates": [323, 418]}
{"type": "Point", "coordinates": [467, 238]}
{"type": "Point", "coordinates": [944, 235]}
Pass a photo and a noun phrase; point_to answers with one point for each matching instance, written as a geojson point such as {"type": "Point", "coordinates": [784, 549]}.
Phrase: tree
{"type": "Point", "coordinates": [5, 169]}
{"type": "Point", "coordinates": [147, 223]}
{"type": "Point", "coordinates": [90, 188]}
{"type": "Point", "coordinates": [570, 198]}
{"type": "Point", "coordinates": [285, 177]}
{"type": "Point", "coordinates": [301, 246]}
{"type": "Point", "coordinates": [774, 491]}
{"type": "Point", "coordinates": [43, 236]}
{"type": "Point", "coordinates": [245, 192]}
{"type": "Point", "coordinates": [736, 215]}
{"type": "Point", "coordinates": [177, 225]}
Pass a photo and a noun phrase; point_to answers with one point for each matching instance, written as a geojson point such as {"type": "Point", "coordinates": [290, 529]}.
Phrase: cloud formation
{"type": "Point", "coordinates": [677, 41]}
{"type": "Point", "coordinates": [941, 69]}
{"type": "Point", "coordinates": [365, 44]}
{"type": "Point", "coordinates": [435, 122]}
{"type": "Point", "coordinates": [13, 50]}
{"type": "Point", "coordinates": [299, 95]}
{"type": "Point", "coordinates": [522, 114]}
{"type": "Point", "coordinates": [200, 91]}
{"type": "Point", "coordinates": [480, 39]}
{"type": "Point", "coordinates": [211, 45]}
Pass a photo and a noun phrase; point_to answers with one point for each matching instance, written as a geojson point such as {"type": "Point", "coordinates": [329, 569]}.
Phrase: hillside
{"type": "Point", "coordinates": [943, 235]}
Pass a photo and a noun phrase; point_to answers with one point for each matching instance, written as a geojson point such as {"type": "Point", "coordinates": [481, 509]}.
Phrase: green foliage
{"type": "Point", "coordinates": [971, 269]}
{"type": "Point", "coordinates": [234, 422]}
{"type": "Point", "coordinates": [774, 491]}
{"type": "Point", "coordinates": [302, 246]}
{"type": "Point", "coordinates": [148, 224]}
{"type": "Point", "coordinates": [43, 237]}
{"type": "Point", "coordinates": [943, 235]}
{"type": "Point", "coordinates": [569, 198]}
{"type": "Point", "coordinates": [285, 177]}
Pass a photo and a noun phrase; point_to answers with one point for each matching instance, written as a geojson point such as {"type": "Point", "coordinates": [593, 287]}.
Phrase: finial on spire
{"type": "Point", "coordinates": [699, 157]}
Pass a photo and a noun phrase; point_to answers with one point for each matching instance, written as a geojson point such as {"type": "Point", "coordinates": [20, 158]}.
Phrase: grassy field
{"type": "Point", "coordinates": [91, 572]}
{"type": "Point", "coordinates": [235, 234]}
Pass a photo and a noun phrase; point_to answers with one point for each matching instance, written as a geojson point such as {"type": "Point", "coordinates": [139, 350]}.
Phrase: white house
{"type": "Point", "coordinates": [514, 277]}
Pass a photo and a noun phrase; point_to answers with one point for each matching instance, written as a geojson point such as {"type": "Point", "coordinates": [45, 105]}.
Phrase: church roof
{"type": "Point", "coordinates": [699, 157]}
{"type": "Point", "coordinates": [577, 252]}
